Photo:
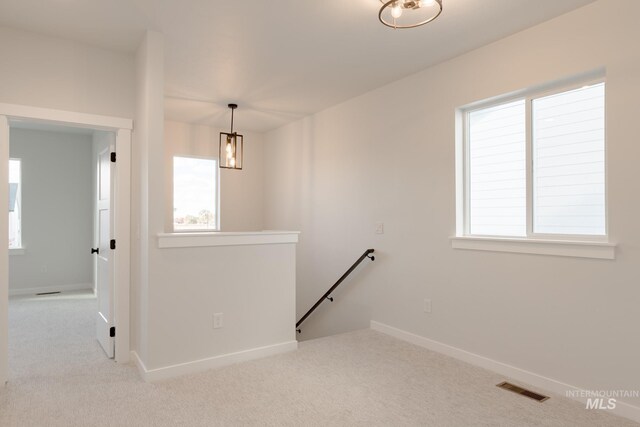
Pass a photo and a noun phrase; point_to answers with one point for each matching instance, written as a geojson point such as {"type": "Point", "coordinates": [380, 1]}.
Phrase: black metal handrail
{"type": "Point", "coordinates": [366, 254]}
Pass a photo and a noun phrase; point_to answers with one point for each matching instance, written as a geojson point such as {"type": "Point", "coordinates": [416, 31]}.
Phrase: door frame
{"type": "Point", "coordinates": [121, 215]}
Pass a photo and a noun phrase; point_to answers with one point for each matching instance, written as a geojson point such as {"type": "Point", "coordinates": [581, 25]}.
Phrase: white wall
{"type": "Point", "coordinates": [55, 73]}
{"type": "Point", "coordinates": [389, 156]}
{"type": "Point", "coordinates": [176, 291]}
{"type": "Point", "coordinates": [147, 192]}
{"type": "Point", "coordinates": [252, 285]}
{"type": "Point", "coordinates": [57, 218]}
{"type": "Point", "coordinates": [241, 192]}
{"type": "Point", "coordinates": [186, 286]}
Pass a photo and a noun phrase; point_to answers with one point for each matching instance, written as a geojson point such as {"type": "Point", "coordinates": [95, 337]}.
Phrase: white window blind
{"type": "Point", "coordinates": [569, 162]}
{"type": "Point", "coordinates": [497, 170]}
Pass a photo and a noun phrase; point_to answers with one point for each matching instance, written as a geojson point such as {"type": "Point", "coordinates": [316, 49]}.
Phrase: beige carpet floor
{"type": "Point", "coordinates": [60, 377]}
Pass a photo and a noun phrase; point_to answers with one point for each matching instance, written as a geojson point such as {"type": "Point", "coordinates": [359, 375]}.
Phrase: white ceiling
{"type": "Point", "coordinates": [281, 59]}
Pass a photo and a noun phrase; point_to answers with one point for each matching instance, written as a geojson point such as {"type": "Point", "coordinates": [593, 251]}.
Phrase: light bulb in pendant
{"type": "Point", "coordinates": [232, 162]}
{"type": "Point", "coordinates": [229, 148]}
{"type": "Point", "coordinates": [396, 10]}
{"type": "Point", "coordinates": [427, 3]}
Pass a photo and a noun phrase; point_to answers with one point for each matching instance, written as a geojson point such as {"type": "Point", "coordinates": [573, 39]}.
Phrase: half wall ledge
{"type": "Point", "coordinates": [226, 238]}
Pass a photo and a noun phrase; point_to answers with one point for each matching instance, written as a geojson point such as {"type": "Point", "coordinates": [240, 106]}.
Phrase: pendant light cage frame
{"type": "Point", "coordinates": [231, 148]}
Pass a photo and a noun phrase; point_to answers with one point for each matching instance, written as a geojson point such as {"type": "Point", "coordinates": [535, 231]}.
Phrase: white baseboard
{"type": "Point", "coordinates": [622, 409]}
{"type": "Point", "coordinates": [142, 369]}
{"type": "Point", "coordinates": [54, 288]}
{"type": "Point", "coordinates": [167, 372]}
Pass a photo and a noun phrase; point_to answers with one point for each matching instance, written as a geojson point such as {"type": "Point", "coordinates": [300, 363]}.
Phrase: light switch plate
{"type": "Point", "coordinates": [217, 320]}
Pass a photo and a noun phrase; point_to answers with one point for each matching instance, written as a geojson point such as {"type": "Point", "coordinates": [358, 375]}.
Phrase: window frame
{"type": "Point", "coordinates": [528, 97]}
{"type": "Point", "coordinates": [217, 195]}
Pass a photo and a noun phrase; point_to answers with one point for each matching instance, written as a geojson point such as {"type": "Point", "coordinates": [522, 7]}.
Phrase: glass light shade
{"type": "Point", "coordinates": [231, 150]}
{"type": "Point", "coordinates": [396, 11]}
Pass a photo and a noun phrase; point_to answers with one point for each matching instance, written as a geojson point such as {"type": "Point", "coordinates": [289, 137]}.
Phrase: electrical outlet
{"type": "Point", "coordinates": [427, 305]}
{"type": "Point", "coordinates": [379, 227]}
{"type": "Point", "coordinates": [217, 320]}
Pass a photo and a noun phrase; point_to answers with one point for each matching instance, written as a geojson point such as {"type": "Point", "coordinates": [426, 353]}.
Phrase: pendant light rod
{"type": "Point", "coordinates": [233, 107]}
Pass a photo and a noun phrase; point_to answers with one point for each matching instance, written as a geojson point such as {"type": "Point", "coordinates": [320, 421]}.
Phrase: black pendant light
{"type": "Point", "coordinates": [231, 147]}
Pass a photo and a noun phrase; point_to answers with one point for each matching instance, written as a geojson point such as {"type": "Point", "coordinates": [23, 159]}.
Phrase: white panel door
{"type": "Point", "coordinates": [105, 271]}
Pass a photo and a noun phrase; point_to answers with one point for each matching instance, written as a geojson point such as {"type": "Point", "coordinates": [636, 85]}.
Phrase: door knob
{"type": "Point", "coordinates": [95, 250]}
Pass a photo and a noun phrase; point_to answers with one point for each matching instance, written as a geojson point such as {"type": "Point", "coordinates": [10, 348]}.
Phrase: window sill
{"type": "Point", "coordinates": [217, 238]}
{"type": "Point", "coordinates": [598, 250]}
{"type": "Point", "coordinates": [16, 251]}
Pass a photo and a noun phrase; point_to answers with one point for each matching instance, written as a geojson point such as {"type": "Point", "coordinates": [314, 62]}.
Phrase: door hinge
{"type": "Point", "coordinates": [112, 332]}
{"type": "Point", "coordinates": [113, 244]}
{"type": "Point", "coordinates": [113, 157]}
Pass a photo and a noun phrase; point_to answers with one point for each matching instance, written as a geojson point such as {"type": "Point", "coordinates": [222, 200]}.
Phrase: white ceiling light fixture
{"type": "Point", "coordinates": [408, 13]}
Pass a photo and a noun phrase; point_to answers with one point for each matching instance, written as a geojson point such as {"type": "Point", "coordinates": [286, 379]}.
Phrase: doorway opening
{"type": "Point", "coordinates": [59, 236]}
{"type": "Point", "coordinates": [66, 265]}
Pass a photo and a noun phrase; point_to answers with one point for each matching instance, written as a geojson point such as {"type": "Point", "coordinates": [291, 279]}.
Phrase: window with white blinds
{"type": "Point", "coordinates": [497, 170]}
{"type": "Point", "coordinates": [536, 166]}
{"type": "Point", "coordinates": [568, 162]}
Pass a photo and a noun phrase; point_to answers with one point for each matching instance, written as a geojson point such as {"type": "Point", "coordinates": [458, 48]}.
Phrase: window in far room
{"type": "Point", "coordinates": [15, 204]}
{"type": "Point", "coordinates": [534, 167]}
{"type": "Point", "coordinates": [195, 194]}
